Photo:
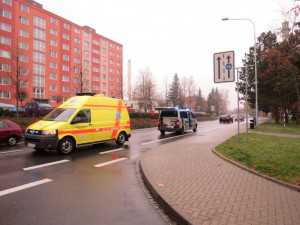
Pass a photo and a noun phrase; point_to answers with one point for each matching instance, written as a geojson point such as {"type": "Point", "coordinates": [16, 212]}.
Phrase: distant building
{"type": "Point", "coordinates": [57, 56]}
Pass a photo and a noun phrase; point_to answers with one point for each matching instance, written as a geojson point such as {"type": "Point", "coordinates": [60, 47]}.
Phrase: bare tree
{"type": "Point", "coordinates": [191, 89]}
{"type": "Point", "coordinates": [16, 73]}
{"type": "Point", "coordinates": [145, 89]}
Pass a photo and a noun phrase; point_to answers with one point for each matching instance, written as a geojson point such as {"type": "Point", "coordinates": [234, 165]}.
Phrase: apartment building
{"type": "Point", "coordinates": [51, 58]}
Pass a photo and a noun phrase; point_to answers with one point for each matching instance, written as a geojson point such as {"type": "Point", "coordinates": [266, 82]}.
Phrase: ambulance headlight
{"type": "Point", "coordinates": [49, 132]}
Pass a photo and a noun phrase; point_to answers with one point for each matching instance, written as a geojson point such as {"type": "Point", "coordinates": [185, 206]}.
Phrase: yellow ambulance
{"type": "Point", "coordinates": [85, 119]}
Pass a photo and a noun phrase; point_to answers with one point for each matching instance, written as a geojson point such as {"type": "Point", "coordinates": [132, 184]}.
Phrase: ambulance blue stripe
{"type": "Point", "coordinates": [95, 142]}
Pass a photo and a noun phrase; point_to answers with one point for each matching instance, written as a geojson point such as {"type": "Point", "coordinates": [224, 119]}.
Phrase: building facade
{"type": "Point", "coordinates": [47, 58]}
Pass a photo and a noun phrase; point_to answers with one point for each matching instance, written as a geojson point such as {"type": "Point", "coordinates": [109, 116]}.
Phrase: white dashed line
{"type": "Point", "coordinates": [25, 186]}
{"type": "Point", "coordinates": [46, 164]}
{"type": "Point", "coordinates": [150, 142]}
{"type": "Point", "coordinates": [115, 150]}
{"type": "Point", "coordinates": [110, 162]}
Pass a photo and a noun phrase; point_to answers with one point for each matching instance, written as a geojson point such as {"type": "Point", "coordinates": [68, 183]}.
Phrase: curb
{"type": "Point", "coordinates": [163, 203]}
{"type": "Point", "coordinates": [291, 186]}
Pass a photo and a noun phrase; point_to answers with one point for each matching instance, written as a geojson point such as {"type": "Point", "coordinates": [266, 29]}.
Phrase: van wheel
{"type": "Point", "coordinates": [11, 141]}
{"type": "Point", "coordinates": [162, 132]}
{"type": "Point", "coordinates": [121, 138]}
{"type": "Point", "coordinates": [195, 129]}
{"type": "Point", "coordinates": [65, 146]}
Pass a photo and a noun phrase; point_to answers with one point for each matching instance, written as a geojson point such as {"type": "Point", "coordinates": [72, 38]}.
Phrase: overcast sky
{"type": "Point", "coordinates": [175, 36]}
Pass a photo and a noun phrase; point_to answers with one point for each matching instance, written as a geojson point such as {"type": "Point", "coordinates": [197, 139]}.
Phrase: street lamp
{"type": "Point", "coordinates": [255, 67]}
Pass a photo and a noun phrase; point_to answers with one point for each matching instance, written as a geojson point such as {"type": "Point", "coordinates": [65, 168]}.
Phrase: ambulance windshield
{"type": "Point", "coordinates": [60, 114]}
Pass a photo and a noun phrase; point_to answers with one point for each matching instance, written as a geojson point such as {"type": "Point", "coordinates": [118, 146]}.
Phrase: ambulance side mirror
{"type": "Point", "coordinates": [77, 119]}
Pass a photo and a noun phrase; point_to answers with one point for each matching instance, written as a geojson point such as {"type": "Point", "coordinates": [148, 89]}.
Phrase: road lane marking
{"type": "Point", "coordinates": [25, 186]}
{"type": "Point", "coordinates": [150, 142]}
{"type": "Point", "coordinates": [11, 151]}
{"type": "Point", "coordinates": [46, 164]}
{"type": "Point", "coordinates": [110, 162]}
{"type": "Point", "coordinates": [115, 150]}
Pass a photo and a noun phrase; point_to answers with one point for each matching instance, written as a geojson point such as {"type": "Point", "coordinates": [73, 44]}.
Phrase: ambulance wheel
{"type": "Point", "coordinates": [121, 138]}
{"type": "Point", "coordinates": [162, 132]}
{"type": "Point", "coordinates": [65, 146]}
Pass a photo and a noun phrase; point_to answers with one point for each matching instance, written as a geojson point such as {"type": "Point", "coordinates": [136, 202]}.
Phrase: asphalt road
{"type": "Point", "coordinates": [94, 185]}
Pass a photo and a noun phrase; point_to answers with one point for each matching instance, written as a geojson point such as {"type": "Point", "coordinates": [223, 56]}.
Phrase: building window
{"type": "Point", "coordinates": [118, 48]}
{"type": "Point", "coordinates": [52, 87]}
{"type": "Point", "coordinates": [77, 50]}
{"type": "Point", "coordinates": [53, 42]}
{"type": "Point", "coordinates": [76, 30]}
{"type": "Point", "coordinates": [65, 99]}
{"type": "Point", "coordinates": [86, 62]}
{"type": "Point", "coordinates": [53, 31]}
{"type": "Point", "coordinates": [39, 34]}
{"type": "Point", "coordinates": [38, 93]}
{"type": "Point", "coordinates": [118, 88]}
{"type": "Point", "coordinates": [66, 26]}
{"type": "Point", "coordinates": [23, 20]}
{"type": "Point", "coordinates": [66, 36]}
{"type": "Point", "coordinates": [96, 51]}
{"type": "Point", "coordinates": [6, 27]}
{"type": "Point", "coordinates": [86, 53]}
{"type": "Point", "coordinates": [4, 40]}
{"type": "Point", "coordinates": [87, 44]}
{"type": "Point", "coordinates": [95, 78]}
{"type": "Point", "coordinates": [111, 70]}
{"type": "Point", "coordinates": [111, 86]}
{"type": "Point", "coordinates": [112, 95]}
{"type": "Point", "coordinates": [111, 61]}
{"type": "Point", "coordinates": [65, 88]}
{"type": "Point", "coordinates": [6, 14]}
{"type": "Point", "coordinates": [65, 57]}
{"type": "Point", "coordinates": [5, 54]}
{"type": "Point", "coordinates": [86, 72]}
{"type": "Point", "coordinates": [111, 53]}
{"type": "Point", "coordinates": [38, 81]}
{"type": "Point", "coordinates": [96, 42]}
{"type": "Point", "coordinates": [76, 60]}
{"type": "Point", "coordinates": [24, 83]}
{"type": "Point", "coordinates": [96, 87]}
{"type": "Point", "coordinates": [104, 85]}
{"type": "Point", "coordinates": [39, 22]}
{"type": "Point", "coordinates": [103, 50]}
{"type": "Point", "coordinates": [65, 67]}
{"type": "Point", "coordinates": [76, 70]}
{"type": "Point", "coordinates": [4, 81]}
{"type": "Point", "coordinates": [23, 33]}
{"type": "Point", "coordinates": [65, 78]}
{"type": "Point", "coordinates": [66, 47]}
{"type": "Point", "coordinates": [76, 80]}
{"type": "Point", "coordinates": [38, 69]}
{"type": "Point", "coordinates": [111, 45]}
{"type": "Point", "coordinates": [104, 76]}
{"type": "Point", "coordinates": [103, 41]}
{"type": "Point", "coordinates": [52, 98]}
{"type": "Point", "coordinates": [86, 34]}
{"type": "Point", "coordinates": [118, 72]}
{"type": "Point", "coordinates": [96, 69]}
{"type": "Point", "coordinates": [38, 57]}
{"type": "Point", "coordinates": [77, 40]}
{"type": "Point", "coordinates": [24, 8]}
{"type": "Point", "coordinates": [118, 55]}
{"type": "Point", "coordinates": [4, 67]}
{"type": "Point", "coordinates": [53, 53]}
{"type": "Point", "coordinates": [23, 70]}
{"type": "Point", "coordinates": [4, 94]}
{"type": "Point", "coordinates": [95, 60]}
{"type": "Point", "coordinates": [23, 58]}
{"type": "Point", "coordinates": [53, 65]}
{"type": "Point", "coordinates": [103, 67]}
{"type": "Point", "coordinates": [7, 2]}
{"type": "Point", "coordinates": [53, 20]}
{"type": "Point", "coordinates": [76, 90]}
{"type": "Point", "coordinates": [111, 78]}
{"type": "Point", "coordinates": [39, 45]}
{"type": "Point", "coordinates": [53, 76]}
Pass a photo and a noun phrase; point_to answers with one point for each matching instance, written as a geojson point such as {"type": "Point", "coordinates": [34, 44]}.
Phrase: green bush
{"type": "Point", "coordinates": [143, 115]}
{"type": "Point", "coordinates": [7, 113]}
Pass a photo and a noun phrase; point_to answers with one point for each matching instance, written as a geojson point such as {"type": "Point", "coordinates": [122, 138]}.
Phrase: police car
{"type": "Point", "coordinates": [173, 119]}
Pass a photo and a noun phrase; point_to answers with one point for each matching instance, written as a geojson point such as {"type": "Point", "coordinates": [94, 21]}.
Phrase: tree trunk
{"type": "Point", "coordinates": [286, 116]}
{"type": "Point", "coordinates": [276, 115]}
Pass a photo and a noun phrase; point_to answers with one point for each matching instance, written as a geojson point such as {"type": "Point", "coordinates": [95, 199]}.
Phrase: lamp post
{"type": "Point", "coordinates": [255, 67]}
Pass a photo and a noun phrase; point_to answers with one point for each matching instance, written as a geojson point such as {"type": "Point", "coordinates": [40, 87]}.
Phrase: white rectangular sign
{"type": "Point", "coordinates": [224, 67]}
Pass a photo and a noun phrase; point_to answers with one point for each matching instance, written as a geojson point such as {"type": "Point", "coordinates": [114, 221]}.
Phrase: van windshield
{"type": "Point", "coordinates": [168, 114]}
{"type": "Point", "coordinates": [60, 114]}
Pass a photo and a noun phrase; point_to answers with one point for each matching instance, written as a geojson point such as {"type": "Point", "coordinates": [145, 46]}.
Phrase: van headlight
{"type": "Point", "coordinates": [49, 132]}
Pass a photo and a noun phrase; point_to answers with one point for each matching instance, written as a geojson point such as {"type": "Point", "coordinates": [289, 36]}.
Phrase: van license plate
{"type": "Point", "coordinates": [31, 145]}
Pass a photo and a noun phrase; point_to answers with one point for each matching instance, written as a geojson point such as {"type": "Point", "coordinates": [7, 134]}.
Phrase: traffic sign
{"type": "Point", "coordinates": [224, 67]}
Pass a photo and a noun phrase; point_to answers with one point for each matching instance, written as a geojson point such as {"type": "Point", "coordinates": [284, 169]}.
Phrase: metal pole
{"type": "Point", "coordinates": [238, 102]}
{"type": "Point", "coordinates": [247, 104]}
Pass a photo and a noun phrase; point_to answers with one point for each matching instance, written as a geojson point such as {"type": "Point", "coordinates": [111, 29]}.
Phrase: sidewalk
{"type": "Point", "coordinates": [195, 186]}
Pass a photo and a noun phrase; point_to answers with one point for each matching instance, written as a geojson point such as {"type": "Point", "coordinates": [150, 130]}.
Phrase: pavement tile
{"type": "Point", "coordinates": [209, 190]}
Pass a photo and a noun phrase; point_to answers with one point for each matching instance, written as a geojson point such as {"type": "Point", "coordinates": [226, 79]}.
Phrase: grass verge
{"type": "Point", "coordinates": [270, 126]}
{"type": "Point", "coordinates": [277, 157]}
